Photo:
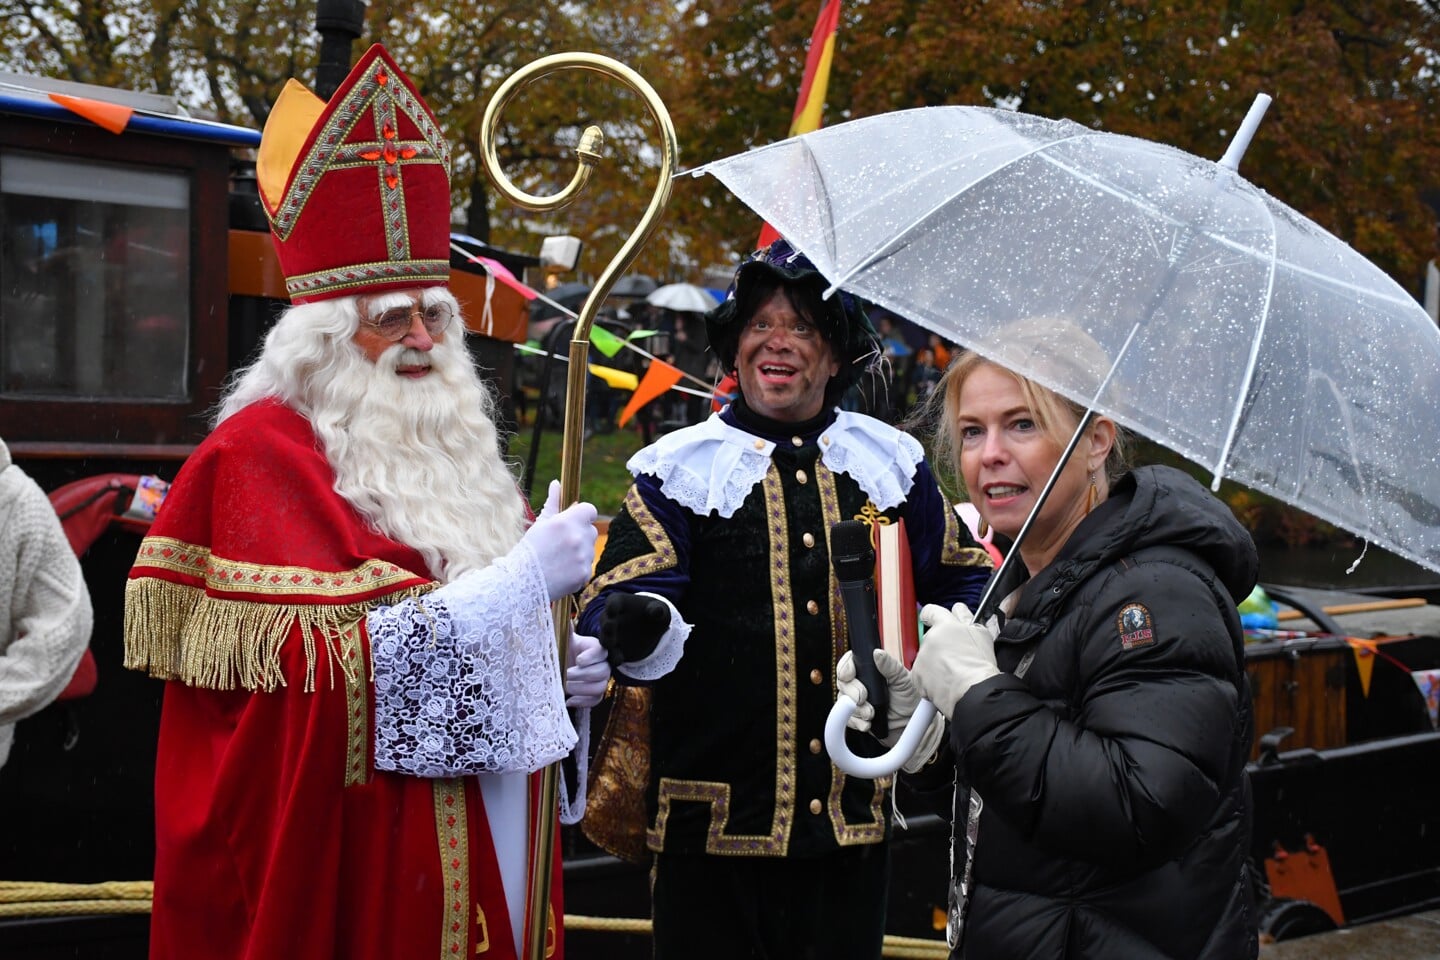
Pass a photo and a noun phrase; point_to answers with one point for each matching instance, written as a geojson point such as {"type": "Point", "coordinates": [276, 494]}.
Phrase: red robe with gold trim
{"type": "Point", "coordinates": [275, 835]}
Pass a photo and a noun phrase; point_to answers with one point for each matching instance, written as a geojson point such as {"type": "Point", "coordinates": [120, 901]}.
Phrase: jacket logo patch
{"type": "Point", "coordinates": [1135, 626]}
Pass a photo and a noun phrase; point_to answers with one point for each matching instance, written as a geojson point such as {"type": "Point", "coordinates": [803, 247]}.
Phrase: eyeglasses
{"type": "Point", "coordinates": [393, 324]}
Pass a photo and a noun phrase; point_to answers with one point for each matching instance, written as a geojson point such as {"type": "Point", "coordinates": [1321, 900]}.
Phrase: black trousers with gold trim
{"type": "Point", "coordinates": [771, 908]}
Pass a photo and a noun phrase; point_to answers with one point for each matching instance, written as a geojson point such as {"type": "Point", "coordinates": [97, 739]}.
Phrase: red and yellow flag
{"type": "Point", "coordinates": [813, 86]}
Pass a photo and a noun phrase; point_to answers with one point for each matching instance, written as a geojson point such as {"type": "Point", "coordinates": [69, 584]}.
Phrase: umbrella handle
{"type": "Point", "coordinates": [873, 768]}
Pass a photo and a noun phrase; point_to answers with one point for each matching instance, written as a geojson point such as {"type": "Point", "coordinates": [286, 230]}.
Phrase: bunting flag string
{"type": "Point", "coordinates": [659, 378]}
{"type": "Point", "coordinates": [619, 379]}
{"type": "Point", "coordinates": [111, 116]}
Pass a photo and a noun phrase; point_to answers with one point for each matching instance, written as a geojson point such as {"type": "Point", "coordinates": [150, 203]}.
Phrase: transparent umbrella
{"type": "Point", "coordinates": [1242, 335]}
{"type": "Point", "coordinates": [684, 297]}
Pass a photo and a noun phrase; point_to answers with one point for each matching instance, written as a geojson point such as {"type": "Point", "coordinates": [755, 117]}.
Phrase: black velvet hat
{"type": "Point", "coordinates": [841, 317]}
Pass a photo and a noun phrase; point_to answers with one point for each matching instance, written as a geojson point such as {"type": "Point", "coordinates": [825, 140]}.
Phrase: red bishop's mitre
{"type": "Point", "coordinates": [358, 189]}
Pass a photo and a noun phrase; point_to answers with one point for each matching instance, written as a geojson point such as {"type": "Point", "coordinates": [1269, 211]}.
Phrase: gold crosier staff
{"type": "Point", "coordinates": [588, 153]}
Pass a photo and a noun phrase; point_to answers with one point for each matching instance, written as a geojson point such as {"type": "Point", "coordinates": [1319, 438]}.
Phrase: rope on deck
{"type": "Point", "coordinates": [25, 898]}
{"type": "Point", "coordinates": [29, 898]}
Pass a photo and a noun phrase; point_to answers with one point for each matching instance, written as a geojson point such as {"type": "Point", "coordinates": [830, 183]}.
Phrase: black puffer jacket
{"type": "Point", "coordinates": [1116, 818]}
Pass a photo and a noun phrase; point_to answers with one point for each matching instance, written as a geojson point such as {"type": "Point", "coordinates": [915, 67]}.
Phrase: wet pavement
{"type": "Point", "coordinates": [1416, 937]}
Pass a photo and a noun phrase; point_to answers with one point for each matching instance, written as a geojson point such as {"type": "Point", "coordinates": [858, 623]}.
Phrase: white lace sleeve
{"type": "Point", "coordinates": [467, 678]}
{"type": "Point", "coordinates": [667, 652]}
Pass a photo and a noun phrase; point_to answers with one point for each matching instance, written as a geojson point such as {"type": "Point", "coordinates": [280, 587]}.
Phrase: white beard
{"type": "Point", "coordinates": [419, 459]}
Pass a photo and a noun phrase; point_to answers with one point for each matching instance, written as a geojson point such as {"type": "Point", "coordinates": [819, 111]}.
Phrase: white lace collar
{"type": "Point", "coordinates": [713, 466]}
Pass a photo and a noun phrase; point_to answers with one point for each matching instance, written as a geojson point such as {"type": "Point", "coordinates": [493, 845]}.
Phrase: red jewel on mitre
{"type": "Point", "coordinates": [358, 189]}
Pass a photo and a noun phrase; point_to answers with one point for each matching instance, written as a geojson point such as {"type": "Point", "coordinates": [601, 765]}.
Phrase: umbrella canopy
{"type": "Point", "coordinates": [633, 286]}
{"type": "Point", "coordinates": [1242, 335]}
{"type": "Point", "coordinates": [683, 297]}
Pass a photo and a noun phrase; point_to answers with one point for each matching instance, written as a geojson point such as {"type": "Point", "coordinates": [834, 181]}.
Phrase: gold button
{"type": "Point", "coordinates": [797, 441]}
{"type": "Point", "coordinates": [815, 806]}
{"type": "Point", "coordinates": [808, 539]}
{"type": "Point", "coordinates": [825, 440]}
{"type": "Point", "coordinates": [816, 677]}
{"type": "Point", "coordinates": [800, 475]}
{"type": "Point", "coordinates": [815, 746]}
{"type": "Point", "coordinates": [812, 608]}
{"type": "Point", "coordinates": [759, 444]}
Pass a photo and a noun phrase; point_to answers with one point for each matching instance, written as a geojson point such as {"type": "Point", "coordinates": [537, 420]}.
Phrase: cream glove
{"type": "Point", "coordinates": [955, 654]}
{"type": "Point", "coordinates": [905, 696]}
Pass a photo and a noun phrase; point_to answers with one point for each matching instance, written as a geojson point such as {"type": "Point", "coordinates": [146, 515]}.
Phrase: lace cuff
{"type": "Point", "coordinates": [572, 809]}
{"type": "Point", "coordinates": [467, 678]}
{"type": "Point", "coordinates": [667, 652]}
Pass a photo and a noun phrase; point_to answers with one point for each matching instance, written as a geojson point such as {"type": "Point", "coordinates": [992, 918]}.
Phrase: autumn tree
{"type": "Point", "coordinates": [1351, 140]}
{"type": "Point", "coordinates": [229, 60]}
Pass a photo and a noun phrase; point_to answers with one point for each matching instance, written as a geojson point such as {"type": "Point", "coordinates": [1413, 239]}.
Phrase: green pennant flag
{"type": "Point", "coordinates": [605, 341]}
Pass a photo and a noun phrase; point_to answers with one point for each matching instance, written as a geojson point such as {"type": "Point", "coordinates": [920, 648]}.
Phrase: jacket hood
{"type": "Point", "coordinates": [1152, 506]}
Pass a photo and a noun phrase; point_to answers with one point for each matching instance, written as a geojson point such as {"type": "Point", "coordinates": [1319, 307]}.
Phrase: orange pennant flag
{"type": "Point", "coordinates": [111, 116]}
{"type": "Point", "coordinates": [813, 86]}
{"type": "Point", "coordinates": [659, 378]}
{"type": "Point", "coordinates": [1364, 662]}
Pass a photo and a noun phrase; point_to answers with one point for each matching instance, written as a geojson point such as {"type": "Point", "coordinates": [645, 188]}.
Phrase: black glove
{"type": "Point", "coordinates": [631, 627]}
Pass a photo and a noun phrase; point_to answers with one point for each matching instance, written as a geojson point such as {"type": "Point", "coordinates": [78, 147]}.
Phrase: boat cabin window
{"type": "Point", "coordinates": [95, 279]}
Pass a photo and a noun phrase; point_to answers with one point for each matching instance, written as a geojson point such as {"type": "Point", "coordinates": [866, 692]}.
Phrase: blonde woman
{"type": "Point", "coordinates": [1100, 735]}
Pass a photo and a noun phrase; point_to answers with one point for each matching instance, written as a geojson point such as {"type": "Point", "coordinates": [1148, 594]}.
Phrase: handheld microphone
{"type": "Point", "coordinates": [853, 558]}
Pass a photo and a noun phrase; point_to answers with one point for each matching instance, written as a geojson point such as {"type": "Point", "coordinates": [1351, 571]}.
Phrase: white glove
{"type": "Point", "coordinates": [955, 654]}
{"type": "Point", "coordinates": [588, 674]}
{"type": "Point", "coordinates": [904, 696]}
{"type": "Point", "coordinates": [563, 543]}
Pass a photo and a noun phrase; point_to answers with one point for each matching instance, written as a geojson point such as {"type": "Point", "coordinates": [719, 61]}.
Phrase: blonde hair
{"type": "Point", "coordinates": [1057, 416]}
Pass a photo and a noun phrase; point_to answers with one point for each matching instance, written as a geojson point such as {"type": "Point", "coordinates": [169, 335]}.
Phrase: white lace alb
{"type": "Point", "coordinates": [467, 678]}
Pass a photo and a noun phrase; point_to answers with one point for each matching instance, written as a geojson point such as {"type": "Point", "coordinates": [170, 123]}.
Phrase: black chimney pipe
{"type": "Point", "coordinates": [339, 23]}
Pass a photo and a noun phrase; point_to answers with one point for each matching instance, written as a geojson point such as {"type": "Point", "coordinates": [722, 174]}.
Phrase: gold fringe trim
{"type": "Point", "coordinates": [178, 632]}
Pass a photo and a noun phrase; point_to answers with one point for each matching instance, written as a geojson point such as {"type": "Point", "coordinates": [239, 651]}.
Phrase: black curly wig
{"type": "Point", "coordinates": [841, 318]}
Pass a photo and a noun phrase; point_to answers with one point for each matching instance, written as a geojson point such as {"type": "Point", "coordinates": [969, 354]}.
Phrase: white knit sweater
{"type": "Point", "coordinates": [45, 614]}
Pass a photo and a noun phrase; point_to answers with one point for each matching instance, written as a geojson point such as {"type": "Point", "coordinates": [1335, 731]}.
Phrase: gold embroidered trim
{"type": "Point", "coordinates": [846, 834]}
{"type": "Point", "coordinates": [716, 839]}
{"type": "Point", "coordinates": [364, 274]}
{"type": "Point", "coordinates": [662, 558]}
{"type": "Point", "coordinates": [179, 632]}
{"type": "Point", "coordinates": [357, 711]}
{"type": "Point", "coordinates": [951, 553]}
{"type": "Point", "coordinates": [236, 576]}
{"type": "Point", "coordinates": [454, 844]}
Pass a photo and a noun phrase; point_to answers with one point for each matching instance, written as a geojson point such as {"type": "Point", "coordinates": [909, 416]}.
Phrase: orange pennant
{"type": "Point", "coordinates": [1364, 662]}
{"type": "Point", "coordinates": [111, 116]}
{"type": "Point", "coordinates": [659, 378]}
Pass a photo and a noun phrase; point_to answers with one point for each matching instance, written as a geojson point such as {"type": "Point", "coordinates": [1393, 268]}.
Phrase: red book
{"type": "Point", "coordinates": [895, 592]}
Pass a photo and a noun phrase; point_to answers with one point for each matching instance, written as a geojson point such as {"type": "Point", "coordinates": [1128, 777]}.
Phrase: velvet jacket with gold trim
{"type": "Point", "coordinates": [729, 521]}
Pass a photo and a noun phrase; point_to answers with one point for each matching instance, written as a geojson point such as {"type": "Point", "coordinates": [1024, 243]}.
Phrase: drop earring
{"type": "Point", "coordinates": [1091, 495]}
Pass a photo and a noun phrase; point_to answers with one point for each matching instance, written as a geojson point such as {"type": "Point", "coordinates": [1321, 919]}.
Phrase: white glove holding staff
{"type": "Point", "coordinates": [905, 696]}
{"type": "Point", "coordinates": [563, 543]}
{"type": "Point", "coordinates": [955, 654]}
